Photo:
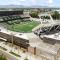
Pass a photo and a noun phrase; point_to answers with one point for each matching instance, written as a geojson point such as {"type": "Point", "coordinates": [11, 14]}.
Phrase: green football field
{"type": "Point", "coordinates": [23, 26]}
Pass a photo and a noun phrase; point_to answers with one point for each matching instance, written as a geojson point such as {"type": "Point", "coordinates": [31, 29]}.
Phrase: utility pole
{"type": "Point", "coordinates": [12, 35]}
{"type": "Point", "coordinates": [12, 38]}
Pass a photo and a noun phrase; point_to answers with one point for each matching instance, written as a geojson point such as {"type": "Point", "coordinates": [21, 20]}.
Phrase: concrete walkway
{"type": "Point", "coordinates": [20, 52]}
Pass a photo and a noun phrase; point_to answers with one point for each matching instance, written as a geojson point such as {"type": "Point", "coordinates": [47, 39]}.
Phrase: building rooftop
{"type": "Point", "coordinates": [48, 48]}
{"type": "Point", "coordinates": [55, 36]}
{"type": "Point", "coordinates": [27, 36]}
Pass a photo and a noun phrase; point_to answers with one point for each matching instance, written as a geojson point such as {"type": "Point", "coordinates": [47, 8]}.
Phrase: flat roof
{"type": "Point", "coordinates": [55, 36]}
{"type": "Point", "coordinates": [48, 48]}
{"type": "Point", "coordinates": [21, 35]}
{"type": "Point", "coordinates": [45, 47]}
{"type": "Point", "coordinates": [27, 36]}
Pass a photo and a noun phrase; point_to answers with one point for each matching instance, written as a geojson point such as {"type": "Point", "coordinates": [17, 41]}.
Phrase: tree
{"type": "Point", "coordinates": [2, 57]}
{"type": "Point", "coordinates": [26, 58]}
{"type": "Point", "coordinates": [56, 15]}
{"type": "Point", "coordinates": [34, 14]}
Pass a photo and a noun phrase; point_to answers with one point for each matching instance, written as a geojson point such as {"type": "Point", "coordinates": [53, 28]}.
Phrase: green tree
{"type": "Point", "coordinates": [56, 15]}
{"type": "Point", "coordinates": [26, 58]}
{"type": "Point", "coordinates": [34, 14]}
{"type": "Point", "coordinates": [2, 57]}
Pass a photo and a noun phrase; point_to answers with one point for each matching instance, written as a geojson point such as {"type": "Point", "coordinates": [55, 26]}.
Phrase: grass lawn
{"type": "Point", "coordinates": [23, 26]}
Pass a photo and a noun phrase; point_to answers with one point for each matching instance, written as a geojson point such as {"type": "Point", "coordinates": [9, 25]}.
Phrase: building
{"type": "Point", "coordinates": [32, 44]}
{"type": "Point", "coordinates": [10, 12]}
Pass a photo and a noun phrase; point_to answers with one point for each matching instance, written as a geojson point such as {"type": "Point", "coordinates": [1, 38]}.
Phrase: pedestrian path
{"type": "Point", "coordinates": [19, 52]}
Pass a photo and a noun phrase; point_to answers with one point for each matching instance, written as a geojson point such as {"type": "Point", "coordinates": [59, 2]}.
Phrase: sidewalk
{"type": "Point", "coordinates": [20, 52]}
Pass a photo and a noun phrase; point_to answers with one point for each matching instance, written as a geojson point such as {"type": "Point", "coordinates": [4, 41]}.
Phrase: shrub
{"type": "Point", "coordinates": [2, 57]}
{"type": "Point", "coordinates": [56, 15]}
{"type": "Point", "coordinates": [3, 48]}
{"type": "Point", "coordinates": [15, 54]}
{"type": "Point", "coordinates": [26, 58]}
{"type": "Point", "coordinates": [34, 14]}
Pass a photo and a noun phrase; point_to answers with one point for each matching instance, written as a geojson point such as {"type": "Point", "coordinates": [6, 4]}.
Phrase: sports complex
{"type": "Point", "coordinates": [36, 36]}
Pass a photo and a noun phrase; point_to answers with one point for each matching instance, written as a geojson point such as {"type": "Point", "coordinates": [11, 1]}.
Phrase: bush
{"type": "Point", "coordinates": [3, 48]}
{"type": "Point", "coordinates": [34, 14]}
{"type": "Point", "coordinates": [56, 15]}
{"type": "Point", "coordinates": [15, 54]}
{"type": "Point", "coordinates": [2, 57]}
{"type": "Point", "coordinates": [26, 58]}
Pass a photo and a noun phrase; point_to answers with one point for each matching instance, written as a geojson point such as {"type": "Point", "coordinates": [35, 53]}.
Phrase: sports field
{"type": "Point", "coordinates": [23, 26]}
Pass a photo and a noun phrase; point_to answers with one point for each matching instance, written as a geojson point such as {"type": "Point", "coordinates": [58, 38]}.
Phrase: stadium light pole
{"type": "Point", "coordinates": [12, 34]}
{"type": "Point", "coordinates": [12, 38]}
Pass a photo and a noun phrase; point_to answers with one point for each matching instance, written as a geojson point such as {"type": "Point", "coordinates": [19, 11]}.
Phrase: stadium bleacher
{"type": "Point", "coordinates": [16, 16]}
{"type": "Point", "coordinates": [10, 15]}
{"type": "Point", "coordinates": [48, 30]}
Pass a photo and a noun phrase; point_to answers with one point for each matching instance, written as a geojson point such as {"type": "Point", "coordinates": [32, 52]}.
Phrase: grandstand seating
{"type": "Point", "coordinates": [47, 30]}
{"type": "Point", "coordinates": [11, 18]}
{"type": "Point", "coordinates": [10, 15]}
{"type": "Point", "coordinates": [6, 16]}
